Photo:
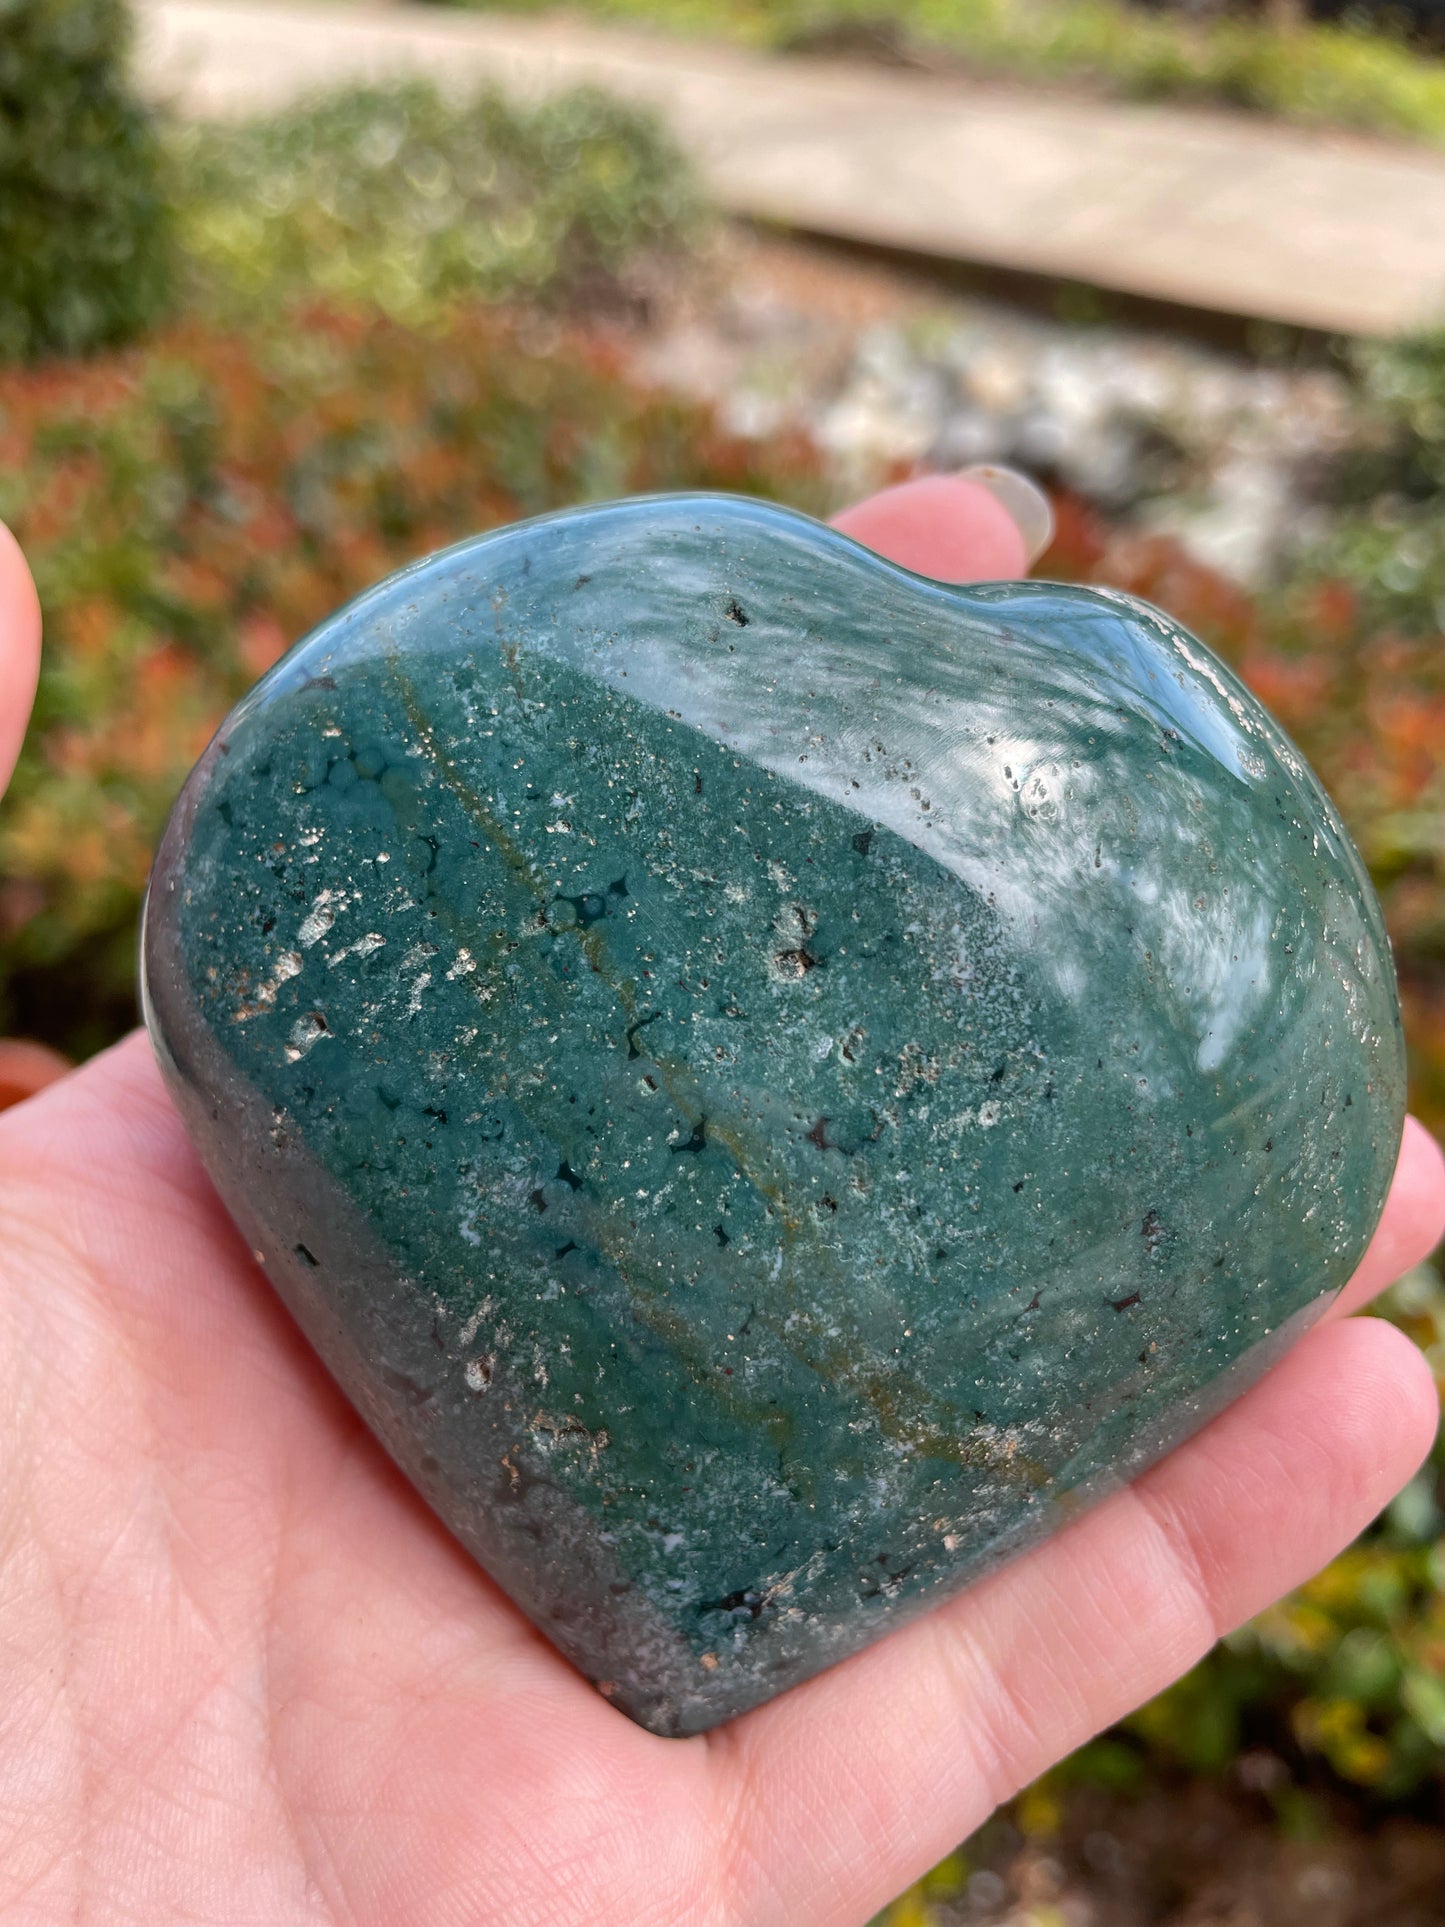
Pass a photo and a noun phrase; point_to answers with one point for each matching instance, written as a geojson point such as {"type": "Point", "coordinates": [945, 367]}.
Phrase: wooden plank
{"type": "Point", "coordinates": [1213, 210]}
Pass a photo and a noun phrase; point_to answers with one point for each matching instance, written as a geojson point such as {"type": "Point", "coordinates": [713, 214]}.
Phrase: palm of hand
{"type": "Point", "coordinates": [245, 1676]}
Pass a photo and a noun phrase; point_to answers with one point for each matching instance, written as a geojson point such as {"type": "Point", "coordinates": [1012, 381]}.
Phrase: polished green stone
{"type": "Point", "coordinates": [769, 1080]}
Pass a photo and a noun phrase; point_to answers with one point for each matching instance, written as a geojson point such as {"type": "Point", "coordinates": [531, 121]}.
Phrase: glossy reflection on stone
{"type": "Point", "coordinates": [769, 1080]}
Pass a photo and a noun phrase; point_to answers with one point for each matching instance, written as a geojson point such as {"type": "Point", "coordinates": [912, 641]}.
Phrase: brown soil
{"type": "Point", "coordinates": [1202, 1855]}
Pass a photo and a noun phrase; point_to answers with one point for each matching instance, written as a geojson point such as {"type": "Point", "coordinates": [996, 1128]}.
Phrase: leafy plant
{"type": "Point", "coordinates": [1386, 535]}
{"type": "Point", "coordinates": [85, 243]}
{"type": "Point", "coordinates": [407, 199]}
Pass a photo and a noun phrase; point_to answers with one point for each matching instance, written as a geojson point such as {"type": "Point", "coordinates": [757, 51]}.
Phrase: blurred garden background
{"type": "Point", "coordinates": [247, 368]}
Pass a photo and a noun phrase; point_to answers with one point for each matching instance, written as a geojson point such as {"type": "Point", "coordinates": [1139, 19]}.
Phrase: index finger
{"type": "Point", "coordinates": [984, 525]}
{"type": "Point", "coordinates": [1412, 1225]}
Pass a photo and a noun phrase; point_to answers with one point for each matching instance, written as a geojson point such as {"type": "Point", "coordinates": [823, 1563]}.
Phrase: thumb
{"type": "Point", "coordinates": [19, 650]}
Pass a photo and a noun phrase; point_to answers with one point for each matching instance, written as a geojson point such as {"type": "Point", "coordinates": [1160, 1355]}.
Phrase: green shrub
{"type": "Point", "coordinates": [85, 255]}
{"type": "Point", "coordinates": [407, 199]}
{"type": "Point", "coordinates": [1387, 536]}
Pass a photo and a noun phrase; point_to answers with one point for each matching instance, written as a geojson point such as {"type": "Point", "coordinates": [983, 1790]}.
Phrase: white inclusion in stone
{"type": "Point", "coordinates": [363, 947]}
{"type": "Point", "coordinates": [478, 1373]}
{"type": "Point", "coordinates": [317, 922]}
{"type": "Point", "coordinates": [306, 1032]}
{"type": "Point", "coordinates": [1233, 986]}
{"type": "Point", "coordinates": [1070, 978]}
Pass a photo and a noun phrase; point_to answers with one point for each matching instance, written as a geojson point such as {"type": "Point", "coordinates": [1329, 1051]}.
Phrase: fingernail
{"type": "Point", "coordinates": [1021, 496]}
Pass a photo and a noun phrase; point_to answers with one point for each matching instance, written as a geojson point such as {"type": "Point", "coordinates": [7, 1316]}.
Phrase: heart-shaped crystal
{"type": "Point", "coordinates": [769, 1080]}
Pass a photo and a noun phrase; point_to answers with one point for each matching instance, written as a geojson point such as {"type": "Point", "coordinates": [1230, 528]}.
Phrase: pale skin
{"type": "Point", "coordinates": [246, 1678]}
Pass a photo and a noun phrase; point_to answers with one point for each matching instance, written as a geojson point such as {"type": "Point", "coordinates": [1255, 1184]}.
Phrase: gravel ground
{"type": "Point", "coordinates": [888, 374]}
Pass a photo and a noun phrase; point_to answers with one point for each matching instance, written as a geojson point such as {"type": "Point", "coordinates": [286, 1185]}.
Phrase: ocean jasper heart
{"type": "Point", "coordinates": [769, 1080]}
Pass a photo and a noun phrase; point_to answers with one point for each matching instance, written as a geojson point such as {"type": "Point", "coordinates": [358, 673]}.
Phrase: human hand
{"type": "Point", "coordinates": [246, 1676]}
